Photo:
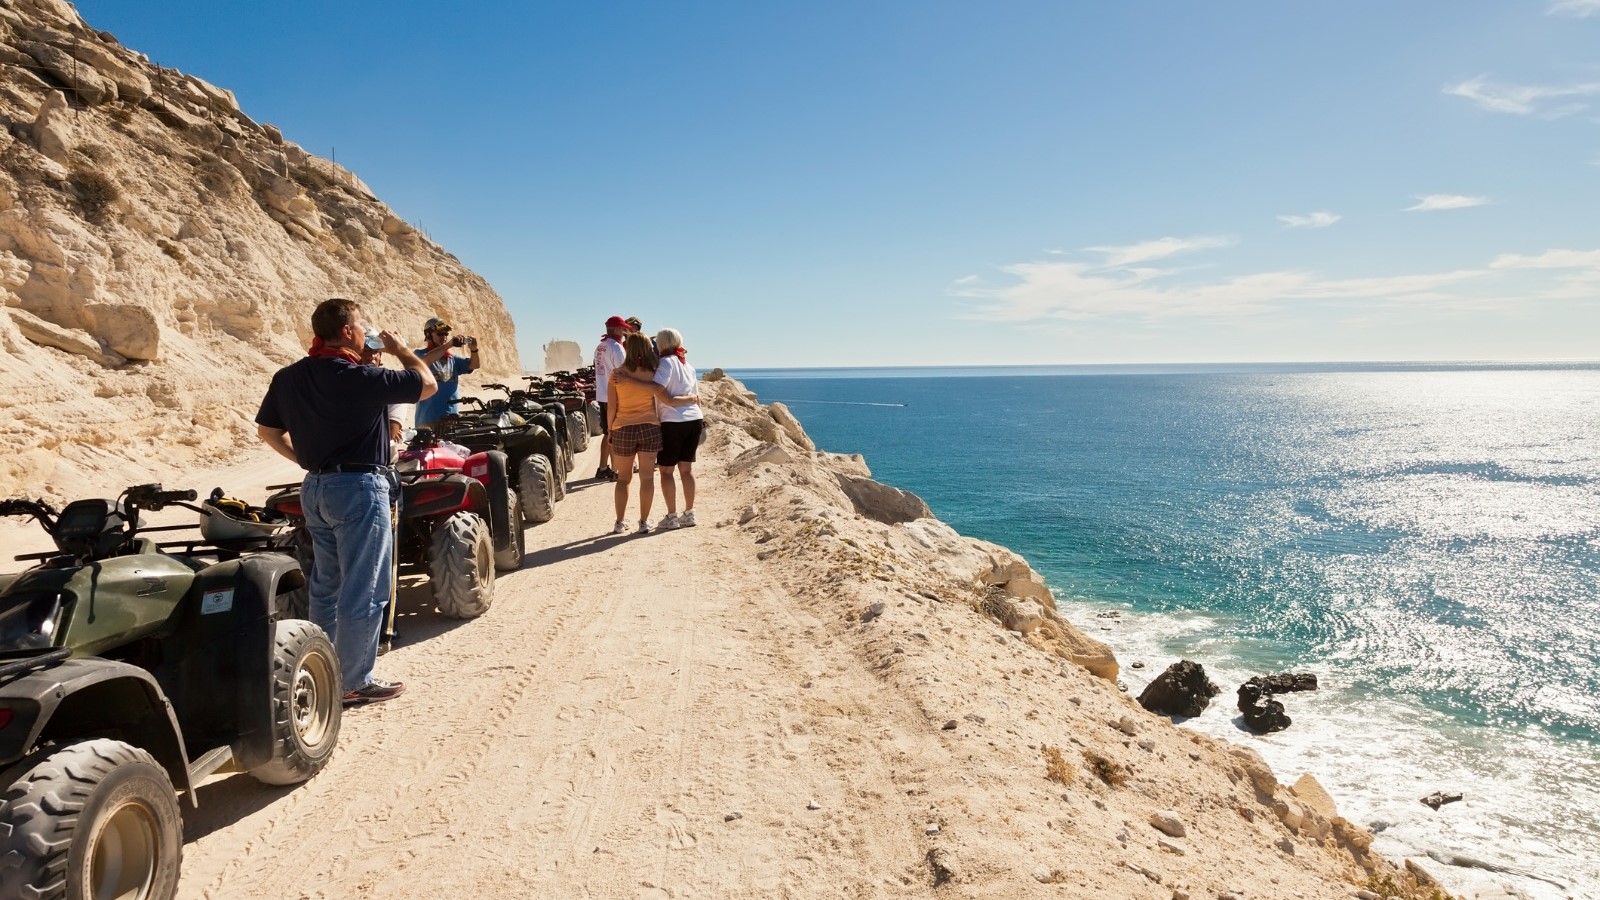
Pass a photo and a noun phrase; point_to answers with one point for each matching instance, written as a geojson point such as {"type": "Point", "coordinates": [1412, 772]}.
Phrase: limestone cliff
{"type": "Point", "coordinates": [160, 253]}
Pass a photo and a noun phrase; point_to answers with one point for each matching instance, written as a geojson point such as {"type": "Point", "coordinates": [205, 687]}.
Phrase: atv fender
{"type": "Point", "coordinates": [434, 497]}
{"type": "Point", "coordinates": [223, 645]}
{"type": "Point", "coordinates": [93, 697]}
{"type": "Point", "coordinates": [489, 468]}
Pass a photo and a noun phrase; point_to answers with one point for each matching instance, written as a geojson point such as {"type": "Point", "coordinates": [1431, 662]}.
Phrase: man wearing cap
{"type": "Point", "coordinates": [447, 369]}
{"type": "Point", "coordinates": [607, 356]}
{"type": "Point", "coordinates": [326, 413]}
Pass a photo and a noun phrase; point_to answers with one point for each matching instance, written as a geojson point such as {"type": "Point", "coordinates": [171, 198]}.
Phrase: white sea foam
{"type": "Point", "coordinates": [1532, 800]}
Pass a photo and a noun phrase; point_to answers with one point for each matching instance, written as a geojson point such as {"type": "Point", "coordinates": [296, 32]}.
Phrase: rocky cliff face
{"type": "Point", "coordinates": [160, 254]}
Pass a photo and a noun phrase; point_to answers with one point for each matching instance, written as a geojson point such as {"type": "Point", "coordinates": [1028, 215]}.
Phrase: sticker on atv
{"type": "Point", "coordinates": [218, 601]}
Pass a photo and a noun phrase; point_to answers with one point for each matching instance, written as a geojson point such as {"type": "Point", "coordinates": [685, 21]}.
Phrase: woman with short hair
{"type": "Point", "coordinates": [681, 427]}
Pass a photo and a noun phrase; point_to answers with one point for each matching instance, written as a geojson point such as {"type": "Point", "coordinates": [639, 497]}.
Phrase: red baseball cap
{"type": "Point", "coordinates": [617, 322]}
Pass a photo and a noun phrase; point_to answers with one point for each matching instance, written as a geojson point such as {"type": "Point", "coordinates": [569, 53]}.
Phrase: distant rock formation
{"type": "Point", "coordinates": [160, 253]}
{"type": "Point", "coordinates": [563, 356]}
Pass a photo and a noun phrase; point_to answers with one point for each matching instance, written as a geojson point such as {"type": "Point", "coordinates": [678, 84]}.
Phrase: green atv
{"type": "Point", "coordinates": [129, 671]}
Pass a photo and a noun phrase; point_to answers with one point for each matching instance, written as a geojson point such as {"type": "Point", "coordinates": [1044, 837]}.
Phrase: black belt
{"type": "Point", "coordinates": [350, 467]}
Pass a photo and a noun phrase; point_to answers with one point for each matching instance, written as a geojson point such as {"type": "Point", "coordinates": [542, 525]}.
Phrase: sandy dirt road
{"type": "Point", "coordinates": [634, 717]}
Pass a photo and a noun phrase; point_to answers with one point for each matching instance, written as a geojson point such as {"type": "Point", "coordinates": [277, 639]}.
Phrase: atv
{"type": "Point", "coordinates": [563, 396]}
{"type": "Point", "coordinates": [458, 521]}
{"type": "Point", "coordinates": [535, 455]}
{"type": "Point", "coordinates": [130, 671]}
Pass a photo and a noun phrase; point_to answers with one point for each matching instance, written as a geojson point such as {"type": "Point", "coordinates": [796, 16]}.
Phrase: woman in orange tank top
{"type": "Point", "coordinates": [635, 428]}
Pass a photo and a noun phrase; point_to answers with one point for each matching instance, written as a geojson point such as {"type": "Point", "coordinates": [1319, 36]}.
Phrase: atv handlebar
{"type": "Point", "coordinates": [21, 506]}
{"type": "Point", "coordinates": [153, 498]}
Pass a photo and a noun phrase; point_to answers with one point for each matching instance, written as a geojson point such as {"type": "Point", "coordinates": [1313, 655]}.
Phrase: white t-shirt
{"type": "Point", "coordinates": [678, 378]}
{"type": "Point", "coordinates": [607, 356]}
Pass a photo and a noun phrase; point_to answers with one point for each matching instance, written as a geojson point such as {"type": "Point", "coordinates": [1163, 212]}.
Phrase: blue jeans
{"type": "Point", "coordinates": [347, 514]}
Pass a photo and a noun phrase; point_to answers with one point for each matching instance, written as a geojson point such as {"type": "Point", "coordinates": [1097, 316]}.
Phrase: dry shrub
{"type": "Point", "coordinates": [99, 153]}
{"type": "Point", "coordinates": [1108, 771]}
{"type": "Point", "coordinates": [1407, 888]}
{"type": "Point", "coordinates": [1055, 765]}
{"type": "Point", "coordinates": [95, 192]}
{"type": "Point", "coordinates": [218, 175]}
{"type": "Point", "coordinates": [312, 178]}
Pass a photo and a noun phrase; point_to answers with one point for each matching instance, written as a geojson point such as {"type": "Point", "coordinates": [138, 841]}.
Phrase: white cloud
{"type": "Point", "coordinates": [1161, 248]}
{"type": "Point", "coordinates": [1578, 9]}
{"type": "Point", "coordinates": [1318, 219]}
{"type": "Point", "coordinates": [1550, 259]}
{"type": "Point", "coordinates": [1435, 202]}
{"type": "Point", "coordinates": [1525, 99]}
{"type": "Point", "coordinates": [1073, 290]}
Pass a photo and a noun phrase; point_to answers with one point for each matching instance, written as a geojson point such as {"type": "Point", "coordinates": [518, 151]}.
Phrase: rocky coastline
{"type": "Point", "coordinates": [970, 631]}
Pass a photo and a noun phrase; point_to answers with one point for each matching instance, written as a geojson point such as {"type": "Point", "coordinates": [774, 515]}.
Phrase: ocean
{"type": "Point", "coordinates": [1425, 538]}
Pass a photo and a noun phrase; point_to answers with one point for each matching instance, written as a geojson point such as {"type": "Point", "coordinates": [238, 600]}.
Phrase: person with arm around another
{"type": "Point", "coordinates": [681, 427]}
{"type": "Point", "coordinates": [328, 413]}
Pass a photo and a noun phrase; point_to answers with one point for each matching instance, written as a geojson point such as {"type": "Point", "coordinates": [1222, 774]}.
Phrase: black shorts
{"type": "Point", "coordinates": [678, 441]}
{"type": "Point", "coordinates": [605, 427]}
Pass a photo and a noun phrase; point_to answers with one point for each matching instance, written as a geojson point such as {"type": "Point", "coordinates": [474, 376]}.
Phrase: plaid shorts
{"type": "Point", "coordinates": [631, 439]}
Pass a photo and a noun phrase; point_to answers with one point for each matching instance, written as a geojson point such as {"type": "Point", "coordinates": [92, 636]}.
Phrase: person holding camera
{"type": "Point", "coordinates": [447, 368]}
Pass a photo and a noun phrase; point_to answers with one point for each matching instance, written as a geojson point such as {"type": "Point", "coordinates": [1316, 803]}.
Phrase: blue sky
{"type": "Point", "coordinates": [912, 183]}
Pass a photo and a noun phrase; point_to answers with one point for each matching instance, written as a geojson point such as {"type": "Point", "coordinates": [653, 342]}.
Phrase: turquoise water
{"type": "Point", "coordinates": [1425, 538]}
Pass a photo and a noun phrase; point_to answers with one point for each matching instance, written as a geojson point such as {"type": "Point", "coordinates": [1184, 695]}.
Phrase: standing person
{"type": "Point", "coordinates": [447, 368]}
{"type": "Point", "coordinates": [680, 427]}
{"type": "Point", "coordinates": [373, 356]}
{"type": "Point", "coordinates": [634, 404]}
{"type": "Point", "coordinates": [607, 357]}
{"type": "Point", "coordinates": [327, 413]}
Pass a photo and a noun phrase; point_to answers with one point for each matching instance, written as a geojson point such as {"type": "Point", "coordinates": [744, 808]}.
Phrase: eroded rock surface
{"type": "Point", "coordinates": [160, 253]}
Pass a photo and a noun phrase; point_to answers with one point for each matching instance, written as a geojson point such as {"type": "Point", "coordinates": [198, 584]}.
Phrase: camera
{"type": "Point", "coordinates": [460, 340]}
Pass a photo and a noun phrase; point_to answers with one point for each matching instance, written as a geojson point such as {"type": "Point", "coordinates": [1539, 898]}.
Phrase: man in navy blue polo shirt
{"type": "Point", "coordinates": [328, 414]}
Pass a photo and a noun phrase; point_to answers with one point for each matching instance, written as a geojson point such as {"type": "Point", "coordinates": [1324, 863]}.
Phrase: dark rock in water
{"type": "Point", "coordinates": [1286, 683]}
{"type": "Point", "coordinates": [1262, 714]}
{"type": "Point", "coordinates": [1182, 690]}
{"type": "Point", "coordinates": [1440, 798]}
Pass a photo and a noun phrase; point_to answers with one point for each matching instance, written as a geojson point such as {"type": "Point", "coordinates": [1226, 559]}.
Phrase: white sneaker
{"type": "Point", "coordinates": [620, 528]}
{"type": "Point", "coordinates": [687, 519]}
{"type": "Point", "coordinates": [670, 520]}
{"type": "Point", "coordinates": [645, 527]}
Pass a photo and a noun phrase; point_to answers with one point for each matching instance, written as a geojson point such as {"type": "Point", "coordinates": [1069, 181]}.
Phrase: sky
{"type": "Point", "coordinates": [856, 183]}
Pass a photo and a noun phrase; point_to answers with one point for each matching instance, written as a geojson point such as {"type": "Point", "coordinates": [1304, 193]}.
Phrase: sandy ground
{"type": "Point", "coordinates": [589, 737]}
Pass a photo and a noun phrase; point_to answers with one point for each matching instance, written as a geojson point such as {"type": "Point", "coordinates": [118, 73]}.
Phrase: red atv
{"type": "Point", "coordinates": [459, 521]}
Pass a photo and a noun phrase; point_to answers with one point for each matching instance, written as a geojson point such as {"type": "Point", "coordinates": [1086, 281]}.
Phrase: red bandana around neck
{"type": "Point", "coordinates": [682, 353]}
{"type": "Point", "coordinates": [320, 349]}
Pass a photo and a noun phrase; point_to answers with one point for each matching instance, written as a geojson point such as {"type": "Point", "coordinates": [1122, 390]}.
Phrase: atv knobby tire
{"type": "Point", "coordinates": [560, 482]}
{"type": "Point", "coordinates": [592, 413]}
{"type": "Point", "coordinates": [461, 566]}
{"type": "Point", "coordinates": [306, 704]}
{"type": "Point", "coordinates": [92, 819]}
{"type": "Point", "coordinates": [578, 427]}
{"type": "Point", "coordinates": [536, 486]}
{"type": "Point", "coordinates": [511, 557]}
